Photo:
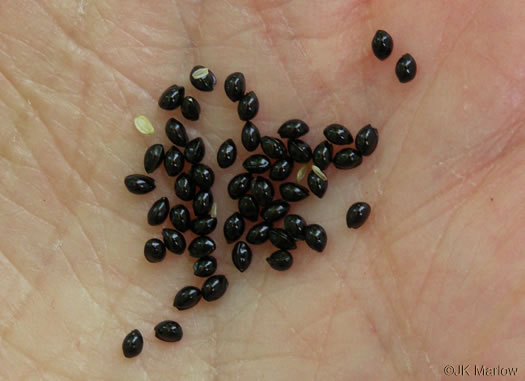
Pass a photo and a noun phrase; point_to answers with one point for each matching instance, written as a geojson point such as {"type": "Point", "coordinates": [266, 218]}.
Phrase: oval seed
{"type": "Point", "coordinates": [171, 98]}
{"type": "Point", "coordinates": [239, 185]}
{"type": "Point", "coordinates": [202, 78]}
{"type": "Point", "coordinates": [406, 68]}
{"type": "Point", "coordinates": [295, 226]}
{"type": "Point", "coordinates": [174, 241]}
{"type": "Point", "coordinates": [256, 164]}
{"type": "Point", "coordinates": [159, 211]}
{"type": "Point", "coordinates": [226, 154]}
{"type": "Point", "coordinates": [301, 173]}
{"type": "Point", "coordinates": [293, 129]}
{"type": "Point", "coordinates": [250, 136]}
{"type": "Point", "coordinates": [275, 211]}
{"type": "Point", "coordinates": [154, 250]}
{"type": "Point", "coordinates": [194, 151]}
{"type": "Point", "coordinates": [299, 151]}
{"type": "Point", "coordinates": [213, 212]}
{"type": "Point", "coordinates": [214, 287]}
{"type": "Point", "coordinates": [357, 215]}
{"type": "Point", "coordinates": [205, 266]}
{"type": "Point", "coordinates": [143, 125]}
{"type": "Point", "coordinates": [168, 330]}
{"type": "Point", "coordinates": [233, 227]}
{"type": "Point", "coordinates": [281, 239]}
{"type": "Point", "coordinates": [273, 147]}
{"type": "Point", "coordinates": [180, 218]}
{"type": "Point", "coordinates": [202, 246]}
{"type": "Point", "coordinates": [248, 106]}
{"type": "Point", "coordinates": [293, 192]}
{"type": "Point", "coordinates": [139, 184]}
{"type": "Point", "coordinates": [204, 225]}
{"type": "Point", "coordinates": [316, 184]}
{"type": "Point", "coordinates": [184, 187]}
{"type": "Point", "coordinates": [337, 134]}
{"type": "Point", "coordinates": [366, 140]}
{"type": "Point", "coordinates": [322, 156]}
{"type": "Point", "coordinates": [262, 191]}
{"type": "Point", "coordinates": [248, 208]}
{"type": "Point", "coordinates": [258, 234]}
{"type": "Point", "coordinates": [176, 132]}
{"type": "Point", "coordinates": [241, 256]}
{"type": "Point", "coordinates": [347, 158]}
{"type": "Point", "coordinates": [187, 297]}
{"type": "Point", "coordinates": [202, 176]}
{"type": "Point", "coordinates": [382, 45]}
{"type": "Point", "coordinates": [280, 260]}
{"type": "Point", "coordinates": [281, 170]}
{"type": "Point", "coordinates": [132, 344]}
{"type": "Point", "coordinates": [190, 108]}
{"type": "Point", "coordinates": [173, 161]}
{"type": "Point", "coordinates": [316, 237]}
{"type": "Point", "coordinates": [202, 203]}
{"type": "Point", "coordinates": [319, 173]}
{"type": "Point", "coordinates": [153, 157]}
{"type": "Point", "coordinates": [235, 86]}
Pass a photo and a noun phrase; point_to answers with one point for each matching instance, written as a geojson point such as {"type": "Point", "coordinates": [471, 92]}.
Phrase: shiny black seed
{"type": "Point", "coordinates": [153, 157]}
{"type": "Point", "coordinates": [184, 187]}
{"type": "Point", "coordinates": [337, 134]}
{"type": "Point", "coordinates": [239, 185]}
{"type": "Point", "coordinates": [235, 86]}
{"type": "Point", "coordinates": [293, 192]}
{"type": "Point", "coordinates": [299, 151]}
{"type": "Point", "coordinates": [233, 227]}
{"type": "Point", "coordinates": [214, 287]}
{"type": "Point", "coordinates": [293, 129]}
{"type": "Point", "coordinates": [241, 256]}
{"type": "Point", "coordinates": [168, 330]}
{"type": "Point", "coordinates": [316, 184]}
{"type": "Point", "coordinates": [248, 208]}
{"type": "Point", "coordinates": [202, 176]}
{"type": "Point", "coordinates": [226, 154]}
{"type": "Point", "coordinates": [205, 83]}
{"type": "Point", "coordinates": [366, 140]}
{"type": "Point", "coordinates": [382, 44]}
{"type": "Point", "coordinates": [194, 151]}
{"type": "Point", "coordinates": [273, 147]}
{"type": "Point", "coordinates": [322, 156]}
{"type": "Point", "coordinates": [176, 132]}
{"type": "Point", "coordinates": [154, 250]}
{"type": "Point", "coordinates": [295, 226]}
{"type": "Point", "coordinates": [316, 237]}
{"type": "Point", "coordinates": [159, 211]}
{"type": "Point", "coordinates": [248, 106]}
{"type": "Point", "coordinates": [139, 184]}
{"type": "Point", "coordinates": [275, 211]}
{"type": "Point", "coordinates": [347, 158]}
{"type": "Point", "coordinates": [262, 191]}
{"type": "Point", "coordinates": [406, 68]}
{"type": "Point", "coordinates": [256, 164]}
{"type": "Point", "coordinates": [281, 169]}
{"type": "Point", "coordinates": [180, 217]}
{"type": "Point", "coordinates": [187, 297]}
{"type": "Point", "coordinates": [202, 246]}
{"type": "Point", "coordinates": [202, 203]}
{"type": "Point", "coordinates": [281, 239]}
{"type": "Point", "coordinates": [203, 225]}
{"type": "Point", "coordinates": [174, 241]}
{"type": "Point", "coordinates": [173, 161]}
{"type": "Point", "coordinates": [250, 136]}
{"type": "Point", "coordinates": [190, 108]}
{"type": "Point", "coordinates": [357, 215]}
{"type": "Point", "coordinates": [171, 98]}
{"type": "Point", "coordinates": [280, 260]}
{"type": "Point", "coordinates": [132, 344]}
{"type": "Point", "coordinates": [205, 266]}
{"type": "Point", "coordinates": [258, 234]}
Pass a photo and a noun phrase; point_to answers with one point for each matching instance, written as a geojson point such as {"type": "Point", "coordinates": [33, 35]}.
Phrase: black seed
{"type": "Point", "coordinates": [250, 136]}
{"type": "Point", "coordinates": [262, 191]}
{"type": "Point", "coordinates": [275, 211]}
{"type": "Point", "coordinates": [159, 211]}
{"type": "Point", "coordinates": [239, 185]}
{"type": "Point", "coordinates": [205, 266]}
{"type": "Point", "coordinates": [194, 151]}
{"type": "Point", "coordinates": [280, 260]}
{"type": "Point", "coordinates": [187, 297]}
{"type": "Point", "coordinates": [203, 225]}
{"type": "Point", "coordinates": [171, 98]}
{"type": "Point", "coordinates": [382, 44]}
{"type": "Point", "coordinates": [205, 83]}
{"type": "Point", "coordinates": [316, 237]}
{"type": "Point", "coordinates": [184, 187]}
{"type": "Point", "coordinates": [214, 287]}
{"type": "Point", "coordinates": [406, 68]}
{"type": "Point", "coordinates": [322, 156]}
{"type": "Point", "coordinates": [281, 169]}
{"type": "Point", "coordinates": [153, 157]}
{"type": "Point", "coordinates": [174, 241]}
{"type": "Point", "coordinates": [202, 203]}
{"type": "Point", "coordinates": [347, 158]}
{"type": "Point", "coordinates": [154, 250]}
{"type": "Point", "coordinates": [293, 129]}
{"type": "Point", "coordinates": [139, 184]}
{"type": "Point", "coordinates": [202, 176]}
{"type": "Point", "coordinates": [258, 234]}
{"type": "Point", "coordinates": [173, 161]}
{"type": "Point", "coordinates": [168, 330]}
{"type": "Point", "coordinates": [241, 256]}
{"type": "Point", "coordinates": [357, 214]}
{"type": "Point", "coordinates": [366, 140]}
{"type": "Point", "coordinates": [299, 151]}
{"type": "Point", "coordinates": [337, 134]}
{"type": "Point", "coordinates": [316, 184]}
{"type": "Point", "coordinates": [190, 108]}
{"type": "Point", "coordinates": [227, 154]}
{"type": "Point", "coordinates": [273, 147]}
{"type": "Point", "coordinates": [233, 227]}
{"type": "Point", "coordinates": [281, 239]}
{"type": "Point", "coordinates": [293, 192]}
{"type": "Point", "coordinates": [248, 208]}
{"type": "Point", "coordinates": [295, 226]}
{"type": "Point", "coordinates": [202, 246]}
{"type": "Point", "coordinates": [248, 106]}
{"type": "Point", "coordinates": [235, 86]}
{"type": "Point", "coordinates": [132, 344]}
{"type": "Point", "coordinates": [180, 217]}
{"type": "Point", "coordinates": [256, 164]}
{"type": "Point", "coordinates": [176, 132]}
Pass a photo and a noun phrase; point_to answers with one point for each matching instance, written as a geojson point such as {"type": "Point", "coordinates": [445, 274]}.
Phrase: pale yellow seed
{"type": "Point", "coordinates": [144, 125]}
{"type": "Point", "coordinates": [200, 73]}
{"type": "Point", "coordinates": [213, 211]}
{"type": "Point", "coordinates": [319, 173]}
{"type": "Point", "coordinates": [301, 173]}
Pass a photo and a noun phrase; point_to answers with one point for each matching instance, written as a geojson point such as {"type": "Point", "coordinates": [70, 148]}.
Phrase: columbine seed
{"type": "Point", "coordinates": [143, 125]}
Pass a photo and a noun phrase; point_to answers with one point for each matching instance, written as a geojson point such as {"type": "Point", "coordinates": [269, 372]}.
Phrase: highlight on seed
{"type": "Point", "coordinates": [319, 173]}
{"type": "Point", "coordinates": [301, 173]}
{"type": "Point", "coordinates": [200, 73]}
{"type": "Point", "coordinates": [143, 125]}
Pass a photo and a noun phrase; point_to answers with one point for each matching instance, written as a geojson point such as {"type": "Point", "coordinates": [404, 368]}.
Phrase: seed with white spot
{"type": "Point", "coordinates": [200, 73]}
{"type": "Point", "coordinates": [213, 212]}
{"type": "Point", "coordinates": [144, 125]}
{"type": "Point", "coordinates": [301, 173]}
{"type": "Point", "coordinates": [319, 173]}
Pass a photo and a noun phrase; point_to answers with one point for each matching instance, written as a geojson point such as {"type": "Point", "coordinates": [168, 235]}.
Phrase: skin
{"type": "Point", "coordinates": [434, 277]}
